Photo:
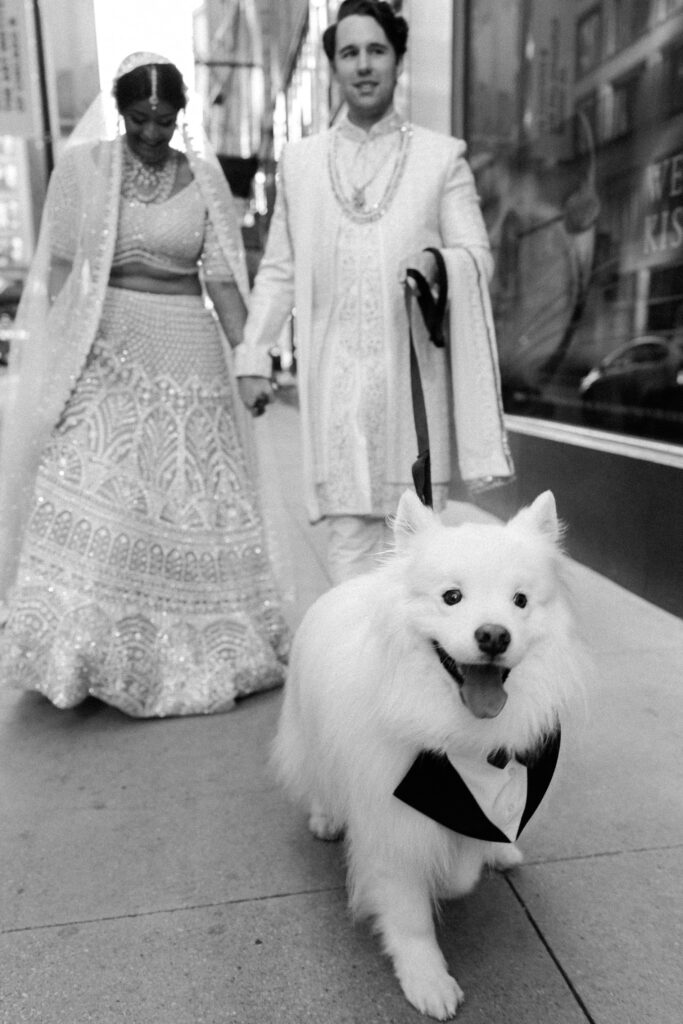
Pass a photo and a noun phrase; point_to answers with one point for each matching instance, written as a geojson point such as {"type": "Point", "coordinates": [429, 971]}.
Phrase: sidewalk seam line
{"type": "Point", "coordinates": [548, 948]}
{"type": "Point", "coordinates": [604, 853]}
{"type": "Point", "coordinates": [170, 910]}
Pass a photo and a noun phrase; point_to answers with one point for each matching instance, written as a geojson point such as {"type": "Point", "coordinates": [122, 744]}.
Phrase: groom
{"type": "Point", "coordinates": [357, 205]}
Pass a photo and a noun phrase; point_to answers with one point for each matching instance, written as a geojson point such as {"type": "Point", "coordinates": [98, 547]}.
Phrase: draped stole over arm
{"type": "Point", "coordinates": [55, 329]}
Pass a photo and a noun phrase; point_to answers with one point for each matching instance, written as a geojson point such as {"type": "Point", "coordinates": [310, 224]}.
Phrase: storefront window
{"type": "Point", "coordinates": [624, 100]}
{"type": "Point", "coordinates": [640, 17]}
{"type": "Point", "coordinates": [588, 41]}
{"type": "Point", "coordinates": [576, 140]}
{"type": "Point", "coordinates": [674, 61]}
{"type": "Point", "coordinates": [308, 90]}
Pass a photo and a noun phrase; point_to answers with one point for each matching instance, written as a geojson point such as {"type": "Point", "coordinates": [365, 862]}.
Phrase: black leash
{"type": "Point", "coordinates": [432, 310]}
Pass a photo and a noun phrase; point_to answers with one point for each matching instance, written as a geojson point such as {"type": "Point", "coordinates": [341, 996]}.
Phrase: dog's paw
{"type": "Point", "coordinates": [506, 856]}
{"type": "Point", "coordinates": [430, 988]}
{"type": "Point", "coordinates": [323, 826]}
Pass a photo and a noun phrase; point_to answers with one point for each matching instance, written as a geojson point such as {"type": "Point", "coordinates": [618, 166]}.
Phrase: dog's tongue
{"type": "Point", "coordinates": [482, 690]}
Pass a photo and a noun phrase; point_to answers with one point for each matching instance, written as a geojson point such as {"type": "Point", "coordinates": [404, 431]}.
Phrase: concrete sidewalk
{"type": "Point", "coordinates": [152, 872]}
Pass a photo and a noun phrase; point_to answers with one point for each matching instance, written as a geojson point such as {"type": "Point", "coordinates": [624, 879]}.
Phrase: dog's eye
{"type": "Point", "coordinates": [520, 600]}
{"type": "Point", "coordinates": [452, 596]}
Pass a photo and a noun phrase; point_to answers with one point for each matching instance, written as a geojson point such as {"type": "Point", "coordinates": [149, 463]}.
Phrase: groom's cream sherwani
{"type": "Point", "coordinates": [341, 276]}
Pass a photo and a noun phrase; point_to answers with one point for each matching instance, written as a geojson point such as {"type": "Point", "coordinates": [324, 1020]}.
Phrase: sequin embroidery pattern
{"type": "Point", "coordinates": [356, 418]}
{"type": "Point", "coordinates": [144, 578]}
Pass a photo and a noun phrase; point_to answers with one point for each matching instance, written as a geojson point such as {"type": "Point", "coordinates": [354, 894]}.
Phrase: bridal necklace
{"type": "Point", "coordinates": [148, 183]}
{"type": "Point", "coordinates": [352, 196]}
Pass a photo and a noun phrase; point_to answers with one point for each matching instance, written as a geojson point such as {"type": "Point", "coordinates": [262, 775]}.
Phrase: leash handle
{"type": "Point", "coordinates": [421, 468]}
{"type": "Point", "coordinates": [432, 310]}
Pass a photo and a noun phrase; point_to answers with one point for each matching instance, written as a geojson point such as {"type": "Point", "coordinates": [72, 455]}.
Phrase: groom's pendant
{"type": "Point", "coordinates": [434, 787]}
{"type": "Point", "coordinates": [358, 198]}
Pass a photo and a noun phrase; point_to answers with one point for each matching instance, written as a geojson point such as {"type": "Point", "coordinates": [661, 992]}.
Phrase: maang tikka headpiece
{"type": "Point", "coordinates": [154, 96]}
{"type": "Point", "coordinates": [139, 59]}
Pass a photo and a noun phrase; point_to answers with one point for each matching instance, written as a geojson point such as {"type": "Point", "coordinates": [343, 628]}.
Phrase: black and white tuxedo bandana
{"type": "Point", "coordinates": [492, 800]}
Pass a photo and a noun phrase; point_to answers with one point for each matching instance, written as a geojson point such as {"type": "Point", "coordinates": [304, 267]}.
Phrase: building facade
{"type": "Point", "coordinates": [49, 71]}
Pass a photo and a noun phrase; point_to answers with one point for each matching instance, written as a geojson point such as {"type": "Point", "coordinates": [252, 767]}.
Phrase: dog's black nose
{"type": "Point", "coordinates": [492, 639]}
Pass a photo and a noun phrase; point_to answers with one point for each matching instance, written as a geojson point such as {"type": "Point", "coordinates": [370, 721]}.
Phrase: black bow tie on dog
{"type": "Point", "coordinates": [436, 789]}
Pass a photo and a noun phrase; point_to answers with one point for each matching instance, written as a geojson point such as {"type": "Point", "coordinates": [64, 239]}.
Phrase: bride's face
{"type": "Point", "coordinates": [149, 130]}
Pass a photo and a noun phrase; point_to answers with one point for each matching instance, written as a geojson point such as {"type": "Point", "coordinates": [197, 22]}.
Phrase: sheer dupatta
{"type": "Point", "coordinates": [64, 293]}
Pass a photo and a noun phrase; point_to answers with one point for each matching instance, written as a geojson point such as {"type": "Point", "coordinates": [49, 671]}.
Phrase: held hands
{"type": "Point", "coordinates": [256, 393]}
{"type": "Point", "coordinates": [425, 263]}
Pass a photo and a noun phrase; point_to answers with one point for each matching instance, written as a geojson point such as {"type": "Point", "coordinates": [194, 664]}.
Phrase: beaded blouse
{"type": "Point", "coordinates": [174, 236]}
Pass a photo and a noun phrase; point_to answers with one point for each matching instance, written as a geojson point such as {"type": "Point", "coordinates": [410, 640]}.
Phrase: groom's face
{"type": "Point", "coordinates": [366, 68]}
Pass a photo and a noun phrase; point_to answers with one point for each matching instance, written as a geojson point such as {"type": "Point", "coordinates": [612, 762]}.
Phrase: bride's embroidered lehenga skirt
{"type": "Point", "coordinates": [144, 577]}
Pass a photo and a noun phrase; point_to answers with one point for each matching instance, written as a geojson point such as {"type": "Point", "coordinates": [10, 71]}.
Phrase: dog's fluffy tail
{"type": "Point", "coordinates": [286, 751]}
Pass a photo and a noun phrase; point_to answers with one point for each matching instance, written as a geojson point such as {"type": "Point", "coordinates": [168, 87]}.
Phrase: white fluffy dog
{"type": "Point", "coordinates": [420, 719]}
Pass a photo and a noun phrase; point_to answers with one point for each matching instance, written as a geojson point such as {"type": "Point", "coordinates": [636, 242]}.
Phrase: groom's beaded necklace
{"type": "Point", "coordinates": [147, 183]}
{"type": "Point", "coordinates": [354, 205]}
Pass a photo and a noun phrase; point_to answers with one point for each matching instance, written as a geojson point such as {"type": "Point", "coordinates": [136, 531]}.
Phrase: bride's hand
{"type": "Point", "coordinates": [256, 393]}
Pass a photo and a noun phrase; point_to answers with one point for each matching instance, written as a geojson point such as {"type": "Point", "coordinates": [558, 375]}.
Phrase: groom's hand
{"type": "Point", "coordinates": [425, 263]}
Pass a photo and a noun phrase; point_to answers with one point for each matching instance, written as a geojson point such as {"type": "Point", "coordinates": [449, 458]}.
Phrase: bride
{"type": "Point", "coordinates": [133, 554]}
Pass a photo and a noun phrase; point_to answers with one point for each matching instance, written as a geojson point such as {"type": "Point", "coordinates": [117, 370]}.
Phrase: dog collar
{"type": "Point", "coordinates": [435, 788]}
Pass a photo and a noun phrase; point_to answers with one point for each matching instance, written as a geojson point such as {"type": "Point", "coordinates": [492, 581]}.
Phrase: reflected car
{"type": "Point", "coordinates": [10, 293]}
{"type": "Point", "coordinates": [638, 386]}
{"type": "Point", "coordinates": [629, 372]}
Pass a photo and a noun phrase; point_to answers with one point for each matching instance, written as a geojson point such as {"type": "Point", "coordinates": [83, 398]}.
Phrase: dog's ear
{"type": "Point", "coordinates": [411, 517]}
{"type": "Point", "coordinates": [540, 517]}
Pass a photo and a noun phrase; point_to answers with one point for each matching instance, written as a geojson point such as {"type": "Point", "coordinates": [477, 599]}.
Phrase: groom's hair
{"type": "Point", "coordinates": [395, 27]}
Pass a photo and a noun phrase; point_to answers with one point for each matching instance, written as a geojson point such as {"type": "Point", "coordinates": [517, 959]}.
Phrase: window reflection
{"type": "Point", "coordinates": [582, 191]}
